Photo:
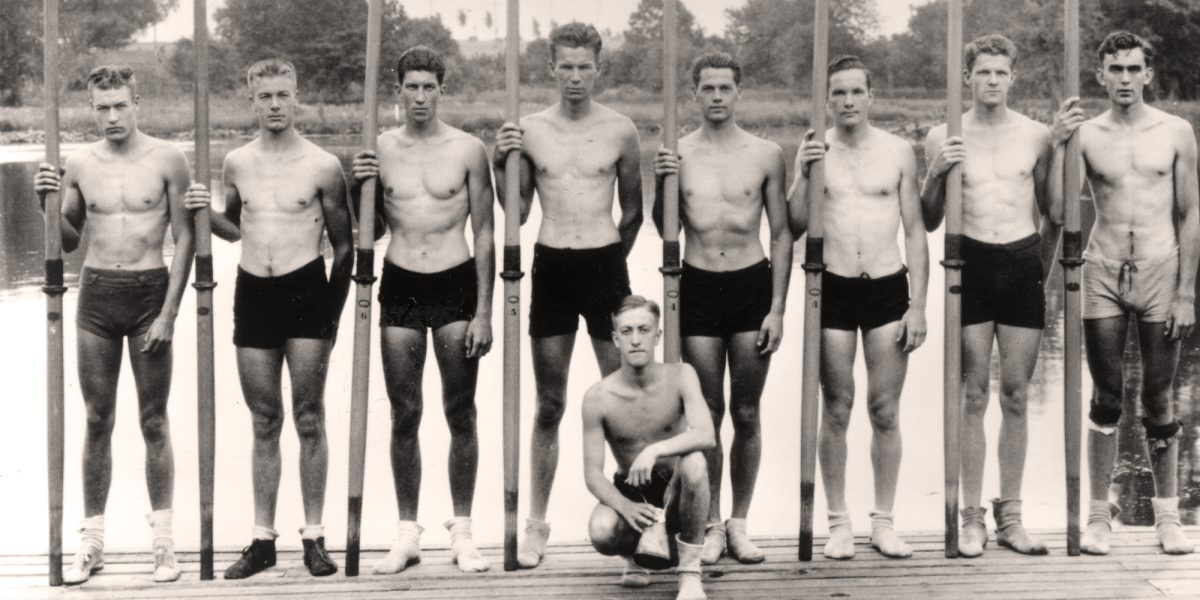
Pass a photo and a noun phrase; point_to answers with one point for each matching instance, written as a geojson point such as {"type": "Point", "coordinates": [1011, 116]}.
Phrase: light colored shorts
{"type": "Point", "coordinates": [1114, 288]}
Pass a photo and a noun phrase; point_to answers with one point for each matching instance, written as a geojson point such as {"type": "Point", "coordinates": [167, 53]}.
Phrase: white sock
{"type": "Point", "coordinates": [162, 523]}
{"type": "Point", "coordinates": [312, 532]}
{"type": "Point", "coordinates": [262, 532]}
{"type": "Point", "coordinates": [91, 532]}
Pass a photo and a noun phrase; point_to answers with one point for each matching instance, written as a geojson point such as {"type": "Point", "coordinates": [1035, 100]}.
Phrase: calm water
{"type": "Point", "coordinates": [776, 506]}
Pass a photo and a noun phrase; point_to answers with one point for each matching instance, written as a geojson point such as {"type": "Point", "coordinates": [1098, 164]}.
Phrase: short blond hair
{"type": "Point", "coordinates": [271, 67]}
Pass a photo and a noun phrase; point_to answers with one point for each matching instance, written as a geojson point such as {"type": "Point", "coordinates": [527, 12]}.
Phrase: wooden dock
{"type": "Point", "coordinates": [1137, 568]}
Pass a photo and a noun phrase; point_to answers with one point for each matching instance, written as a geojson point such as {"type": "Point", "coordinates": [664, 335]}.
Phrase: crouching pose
{"type": "Point", "coordinates": [657, 425]}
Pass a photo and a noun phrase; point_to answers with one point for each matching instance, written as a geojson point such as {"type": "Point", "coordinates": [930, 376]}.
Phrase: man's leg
{"type": "Point", "coordinates": [99, 365]}
{"type": "Point", "coordinates": [152, 375]}
{"type": "Point", "coordinates": [887, 364]}
{"type": "Point", "coordinates": [707, 354]}
{"type": "Point", "coordinates": [838, 348]}
{"type": "Point", "coordinates": [308, 365]}
{"type": "Point", "coordinates": [1104, 342]}
{"type": "Point", "coordinates": [612, 536]}
{"type": "Point", "coordinates": [976, 367]}
{"type": "Point", "coordinates": [1159, 359]}
{"type": "Point", "coordinates": [551, 363]}
{"type": "Point", "coordinates": [608, 357]}
{"type": "Point", "coordinates": [403, 352]}
{"type": "Point", "coordinates": [260, 371]}
{"type": "Point", "coordinates": [747, 374]}
{"type": "Point", "coordinates": [691, 477]}
{"type": "Point", "coordinates": [1018, 356]}
{"type": "Point", "coordinates": [459, 375]}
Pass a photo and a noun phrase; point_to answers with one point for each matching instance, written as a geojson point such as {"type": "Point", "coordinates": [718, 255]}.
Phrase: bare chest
{"type": "Point", "coordinates": [279, 188]}
{"type": "Point", "coordinates": [729, 181]}
{"type": "Point", "coordinates": [416, 174]}
{"type": "Point", "coordinates": [591, 154]}
{"type": "Point", "coordinates": [861, 175]}
{"type": "Point", "coordinates": [993, 158]}
{"type": "Point", "coordinates": [138, 187]}
{"type": "Point", "coordinates": [1115, 158]}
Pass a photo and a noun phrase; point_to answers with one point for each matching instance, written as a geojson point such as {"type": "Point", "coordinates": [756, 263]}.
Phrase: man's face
{"type": "Point", "coordinates": [636, 333]}
{"type": "Point", "coordinates": [717, 93]}
{"type": "Point", "coordinates": [575, 71]}
{"type": "Point", "coordinates": [1125, 75]}
{"type": "Point", "coordinates": [420, 92]}
{"type": "Point", "coordinates": [115, 111]}
{"type": "Point", "coordinates": [849, 97]}
{"type": "Point", "coordinates": [990, 78]}
{"type": "Point", "coordinates": [274, 101]}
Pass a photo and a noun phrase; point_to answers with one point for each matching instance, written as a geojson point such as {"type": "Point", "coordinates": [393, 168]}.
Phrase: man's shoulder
{"type": "Point", "coordinates": [893, 142]}
{"type": "Point", "coordinates": [937, 133]}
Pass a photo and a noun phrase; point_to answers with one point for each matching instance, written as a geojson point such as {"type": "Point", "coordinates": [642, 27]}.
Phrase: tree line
{"type": "Point", "coordinates": [772, 38]}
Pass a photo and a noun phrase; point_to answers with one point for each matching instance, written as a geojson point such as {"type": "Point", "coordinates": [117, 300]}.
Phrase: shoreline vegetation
{"type": "Point", "coordinates": [759, 110]}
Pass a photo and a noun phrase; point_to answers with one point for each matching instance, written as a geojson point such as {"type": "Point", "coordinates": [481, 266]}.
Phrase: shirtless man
{"type": "Point", "coordinates": [432, 178]}
{"type": "Point", "coordinates": [653, 417]}
{"type": "Point", "coordinates": [123, 191]}
{"type": "Point", "coordinates": [572, 153]}
{"type": "Point", "coordinates": [1140, 260]}
{"type": "Point", "coordinates": [732, 297]}
{"type": "Point", "coordinates": [871, 191]}
{"type": "Point", "coordinates": [281, 193]}
{"type": "Point", "coordinates": [1005, 157]}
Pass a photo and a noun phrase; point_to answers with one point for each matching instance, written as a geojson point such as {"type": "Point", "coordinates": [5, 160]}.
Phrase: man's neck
{"type": "Point", "coordinates": [720, 131]}
{"type": "Point", "coordinates": [423, 130]}
{"type": "Point", "coordinates": [639, 376]}
{"type": "Point", "coordinates": [990, 115]}
{"type": "Point", "coordinates": [575, 110]}
{"type": "Point", "coordinates": [125, 146]}
{"type": "Point", "coordinates": [279, 141]}
{"type": "Point", "coordinates": [1128, 115]}
{"type": "Point", "coordinates": [854, 134]}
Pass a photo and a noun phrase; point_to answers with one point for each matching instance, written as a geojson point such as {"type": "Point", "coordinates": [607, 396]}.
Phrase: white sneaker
{"type": "Point", "coordinates": [165, 568]}
{"type": "Point", "coordinates": [87, 561]}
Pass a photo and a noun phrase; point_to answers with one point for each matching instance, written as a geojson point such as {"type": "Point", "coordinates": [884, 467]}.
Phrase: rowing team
{"type": "Point", "coordinates": [282, 193]}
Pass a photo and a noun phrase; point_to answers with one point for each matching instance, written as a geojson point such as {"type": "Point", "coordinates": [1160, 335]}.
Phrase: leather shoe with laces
{"type": "Point", "coordinates": [317, 559]}
{"type": "Point", "coordinates": [259, 555]}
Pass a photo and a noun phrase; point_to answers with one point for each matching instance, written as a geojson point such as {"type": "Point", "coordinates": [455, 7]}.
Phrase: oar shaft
{"type": "Point", "coordinates": [952, 362]}
{"type": "Point", "coordinates": [205, 375]}
{"type": "Point", "coordinates": [671, 257]}
{"type": "Point", "coordinates": [54, 290]}
{"type": "Point", "coordinates": [814, 266]}
{"type": "Point", "coordinates": [512, 292]}
{"type": "Point", "coordinates": [364, 277]}
{"type": "Point", "coordinates": [1071, 261]}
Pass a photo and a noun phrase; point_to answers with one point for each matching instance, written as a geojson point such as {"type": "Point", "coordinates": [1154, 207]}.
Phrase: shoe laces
{"type": "Point", "coordinates": [163, 557]}
{"type": "Point", "coordinates": [83, 559]}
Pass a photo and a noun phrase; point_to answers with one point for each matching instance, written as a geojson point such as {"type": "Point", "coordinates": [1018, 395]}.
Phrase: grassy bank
{"type": "Point", "coordinates": [231, 116]}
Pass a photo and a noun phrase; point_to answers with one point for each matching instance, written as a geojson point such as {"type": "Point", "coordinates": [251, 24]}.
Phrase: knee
{"type": "Point", "coordinates": [1105, 412]}
{"type": "Point", "coordinates": [310, 425]}
{"type": "Point", "coordinates": [100, 423]}
{"type": "Point", "coordinates": [406, 417]}
{"type": "Point", "coordinates": [975, 400]}
{"type": "Point", "coordinates": [837, 414]}
{"type": "Point", "coordinates": [550, 411]}
{"type": "Point", "coordinates": [155, 428]}
{"type": "Point", "coordinates": [693, 471]}
{"type": "Point", "coordinates": [460, 417]}
{"type": "Point", "coordinates": [1013, 402]}
{"type": "Point", "coordinates": [745, 418]}
{"type": "Point", "coordinates": [603, 531]}
{"type": "Point", "coordinates": [885, 414]}
{"type": "Point", "coordinates": [267, 426]}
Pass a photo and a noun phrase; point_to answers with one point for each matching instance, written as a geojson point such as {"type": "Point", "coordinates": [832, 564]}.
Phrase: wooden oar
{"type": "Point", "coordinates": [952, 362]}
{"type": "Point", "coordinates": [54, 290]}
{"type": "Point", "coordinates": [364, 277]}
{"type": "Point", "coordinates": [205, 387]}
{"type": "Point", "coordinates": [1071, 262]}
{"type": "Point", "coordinates": [671, 268]}
{"type": "Point", "coordinates": [512, 292]}
{"type": "Point", "coordinates": [814, 266]}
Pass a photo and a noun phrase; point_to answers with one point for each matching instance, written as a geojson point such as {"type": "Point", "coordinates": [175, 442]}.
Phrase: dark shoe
{"type": "Point", "coordinates": [259, 555]}
{"type": "Point", "coordinates": [317, 559]}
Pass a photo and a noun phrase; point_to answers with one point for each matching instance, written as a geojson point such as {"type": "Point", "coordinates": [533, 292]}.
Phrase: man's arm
{"type": "Point", "coordinates": [629, 187]}
{"type": "Point", "coordinates": [771, 332]}
{"type": "Point", "coordinates": [178, 178]}
{"type": "Point", "coordinates": [639, 516]}
{"type": "Point", "coordinates": [336, 210]}
{"type": "Point", "coordinates": [364, 167]}
{"type": "Point", "coordinates": [933, 190]}
{"type": "Point", "coordinates": [227, 224]}
{"type": "Point", "coordinates": [480, 197]}
{"type": "Point", "coordinates": [916, 252]}
{"type": "Point", "coordinates": [665, 163]}
{"type": "Point", "coordinates": [47, 181]}
{"type": "Point", "coordinates": [809, 152]}
{"type": "Point", "coordinates": [1050, 215]}
{"type": "Point", "coordinates": [510, 138]}
{"type": "Point", "coordinates": [1068, 119]}
{"type": "Point", "coordinates": [1187, 205]}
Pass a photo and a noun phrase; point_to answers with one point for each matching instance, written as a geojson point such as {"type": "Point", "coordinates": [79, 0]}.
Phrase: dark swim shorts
{"type": "Point", "coordinates": [569, 282]}
{"type": "Point", "coordinates": [722, 303]}
{"type": "Point", "coordinates": [268, 311]}
{"type": "Point", "coordinates": [419, 300]}
{"type": "Point", "coordinates": [115, 303]}
{"type": "Point", "coordinates": [1003, 283]}
{"type": "Point", "coordinates": [852, 303]}
{"type": "Point", "coordinates": [653, 493]}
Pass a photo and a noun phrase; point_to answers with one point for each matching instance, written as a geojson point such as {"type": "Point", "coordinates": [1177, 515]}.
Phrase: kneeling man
{"type": "Point", "coordinates": [656, 422]}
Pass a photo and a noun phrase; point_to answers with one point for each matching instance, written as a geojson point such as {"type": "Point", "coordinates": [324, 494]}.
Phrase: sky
{"type": "Point", "coordinates": [610, 14]}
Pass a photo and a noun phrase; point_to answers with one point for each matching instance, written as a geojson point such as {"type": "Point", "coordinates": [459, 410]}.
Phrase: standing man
{"type": "Point", "coordinates": [1005, 157]}
{"type": "Point", "coordinates": [871, 191]}
{"type": "Point", "coordinates": [281, 193]}
{"type": "Point", "coordinates": [122, 192]}
{"type": "Point", "coordinates": [572, 153]}
{"type": "Point", "coordinates": [1140, 260]}
{"type": "Point", "coordinates": [432, 178]}
{"type": "Point", "coordinates": [653, 417]}
{"type": "Point", "coordinates": [731, 297]}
